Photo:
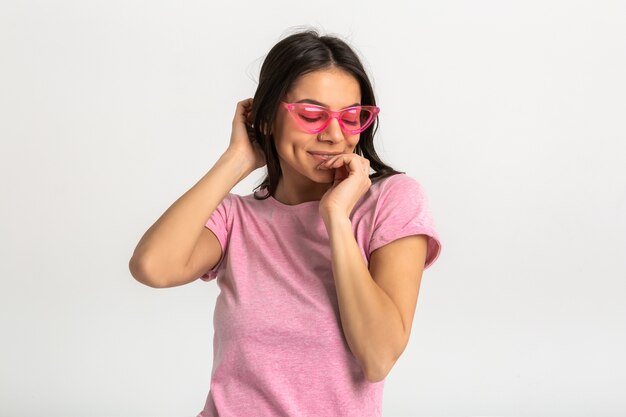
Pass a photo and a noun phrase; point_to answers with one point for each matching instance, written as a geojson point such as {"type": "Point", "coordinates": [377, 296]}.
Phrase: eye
{"type": "Point", "coordinates": [351, 117]}
{"type": "Point", "coordinates": [309, 119]}
{"type": "Point", "coordinates": [311, 114]}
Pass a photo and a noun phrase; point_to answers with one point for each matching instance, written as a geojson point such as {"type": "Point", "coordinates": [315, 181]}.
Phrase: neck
{"type": "Point", "coordinates": [292, 194]}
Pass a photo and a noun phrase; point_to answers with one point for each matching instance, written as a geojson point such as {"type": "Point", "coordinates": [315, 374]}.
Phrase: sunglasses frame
{"type": "Point", "coordinates": [332, 115]}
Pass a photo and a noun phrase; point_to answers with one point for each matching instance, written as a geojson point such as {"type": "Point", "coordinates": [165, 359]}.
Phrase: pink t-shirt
{"type": "Point", "coordinates": [279, 348]}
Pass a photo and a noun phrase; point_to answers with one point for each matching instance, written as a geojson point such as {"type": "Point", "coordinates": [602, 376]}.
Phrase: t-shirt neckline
{"type": "Point", "coordinates": [283, 206]}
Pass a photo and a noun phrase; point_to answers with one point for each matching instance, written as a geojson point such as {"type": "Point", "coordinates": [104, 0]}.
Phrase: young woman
{"type": "Point", "coordinates": [319, 273]}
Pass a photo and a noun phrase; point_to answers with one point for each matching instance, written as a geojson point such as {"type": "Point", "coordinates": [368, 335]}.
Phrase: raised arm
{"type": "Point", "coordinates": [163, 256]}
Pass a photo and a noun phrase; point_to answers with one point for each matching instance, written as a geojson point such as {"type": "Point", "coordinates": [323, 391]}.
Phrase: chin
{"type": "Point", "coordinates": [323, 176]}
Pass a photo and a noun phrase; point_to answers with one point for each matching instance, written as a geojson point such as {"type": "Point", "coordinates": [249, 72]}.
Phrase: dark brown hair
{"type": "Point", "coordinates": [298, 54]}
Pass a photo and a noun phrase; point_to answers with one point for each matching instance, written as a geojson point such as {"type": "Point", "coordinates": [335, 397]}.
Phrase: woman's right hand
{"type": "Point", "coordinates": [242, 140]}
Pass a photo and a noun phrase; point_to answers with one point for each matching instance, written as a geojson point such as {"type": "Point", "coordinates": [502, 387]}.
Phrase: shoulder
{"type": "Point", "coordinates": [385, 192]}
{"type": "Point", "coordinates": [394, 179]}
{"type": "Point", "coordinates": [397, 185]}
{"type": "Point", "coordinates": [252, 204]}
{"type": "Point", "coordinates": [400, 197]}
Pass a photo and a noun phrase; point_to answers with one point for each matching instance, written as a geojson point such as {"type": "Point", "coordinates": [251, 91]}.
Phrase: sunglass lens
{"type": "Point", "coordinates": [311, 117]}
{"type": "Point", "coordinates": [357, 119]}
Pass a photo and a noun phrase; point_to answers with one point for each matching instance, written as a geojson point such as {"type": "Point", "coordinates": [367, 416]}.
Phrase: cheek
{"type": "Point", "coordinates": [288, 145]}
{"type": "Point", "coordinates": [295, 141]}
{"type": "Point", "coordinates": [354, 142]}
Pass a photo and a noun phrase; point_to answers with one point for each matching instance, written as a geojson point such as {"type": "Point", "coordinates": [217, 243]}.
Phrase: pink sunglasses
{"type": "Point", "coordinates": [313, 118]}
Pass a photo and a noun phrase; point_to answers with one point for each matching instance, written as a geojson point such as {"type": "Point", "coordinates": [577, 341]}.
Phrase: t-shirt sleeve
{"type": "Point", "coordinates": [218, 224]}
{"type": "Point", "coordinates": [402, 210]}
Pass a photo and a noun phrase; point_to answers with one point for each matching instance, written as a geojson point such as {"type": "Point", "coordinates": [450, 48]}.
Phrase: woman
{"type": "Point", "coordinates": [319, 275]}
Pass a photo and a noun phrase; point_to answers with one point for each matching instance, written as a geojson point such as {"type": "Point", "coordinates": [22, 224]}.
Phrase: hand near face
{"type": "Point", "coordinates": [351, 181]}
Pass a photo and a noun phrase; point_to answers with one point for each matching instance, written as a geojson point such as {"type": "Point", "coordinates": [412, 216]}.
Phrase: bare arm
{"type": "Point", "coordinates": [165, 249]}
{"type": "Point", "coordinates": [162, 255]}
{"type": "Point", "coordinates": [376, 306]}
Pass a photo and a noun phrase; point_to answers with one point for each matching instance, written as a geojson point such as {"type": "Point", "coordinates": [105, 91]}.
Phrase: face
{"type": "Point", "coordinates": [332, 88]}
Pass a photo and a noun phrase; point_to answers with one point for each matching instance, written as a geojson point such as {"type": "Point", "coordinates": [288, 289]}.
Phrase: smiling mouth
{"type": "Point", "coordinates": [320, 157]}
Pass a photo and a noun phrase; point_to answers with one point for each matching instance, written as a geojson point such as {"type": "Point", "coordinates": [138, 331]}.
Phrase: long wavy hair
{"type": "Point", "coordinates": [298, 54]}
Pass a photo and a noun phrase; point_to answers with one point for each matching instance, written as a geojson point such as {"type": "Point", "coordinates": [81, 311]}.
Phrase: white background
{"type": "Point", "coordinates": [510, 114]}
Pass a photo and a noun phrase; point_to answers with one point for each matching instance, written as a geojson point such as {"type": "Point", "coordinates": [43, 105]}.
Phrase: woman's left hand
{"type": "Point", "coordinates": [351, 181]}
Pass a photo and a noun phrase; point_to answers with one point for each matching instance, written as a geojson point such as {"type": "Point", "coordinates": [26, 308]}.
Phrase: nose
{"type": "Point", "coordinates": [333, 131]}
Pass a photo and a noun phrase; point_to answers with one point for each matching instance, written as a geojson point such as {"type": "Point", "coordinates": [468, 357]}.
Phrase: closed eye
{"type": "Point", "coordinates": [308, 119]}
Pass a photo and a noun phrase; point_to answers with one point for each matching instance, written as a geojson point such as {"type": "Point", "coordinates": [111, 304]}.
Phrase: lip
{"type": "Point", "coordinates": [324, 153]}
{"type": "Point", "coordinates": [318, 155]}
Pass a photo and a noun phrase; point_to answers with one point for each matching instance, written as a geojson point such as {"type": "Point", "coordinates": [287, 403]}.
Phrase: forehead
{"type": "Point", "coordinates": [334, 88]}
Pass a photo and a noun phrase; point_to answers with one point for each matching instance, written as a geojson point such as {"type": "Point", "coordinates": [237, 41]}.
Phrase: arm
{"type": "Point", "coordinates": [376, 308]}
{"type": "Point", "coordinates": [162, 255]}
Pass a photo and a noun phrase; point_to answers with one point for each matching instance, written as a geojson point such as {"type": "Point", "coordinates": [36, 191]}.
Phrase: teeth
{"type": "Point", "coordinates": [325, 156]}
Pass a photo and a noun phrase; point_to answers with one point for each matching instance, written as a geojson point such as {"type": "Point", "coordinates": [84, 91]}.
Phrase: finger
{"type": "Point", "coordinates": [241, 114]}
{"type": "Point", "coordinates": [342, 173]}
{"type": "Point", "coordinates": [343, 159]}
{"type": "Point", "coordinates": [333, 159]}
{"type": "Point", "coordinates": [329, 164]}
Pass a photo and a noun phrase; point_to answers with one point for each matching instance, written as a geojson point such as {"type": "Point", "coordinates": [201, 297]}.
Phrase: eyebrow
{"type": "Point", "coordinates": [311, 101]}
